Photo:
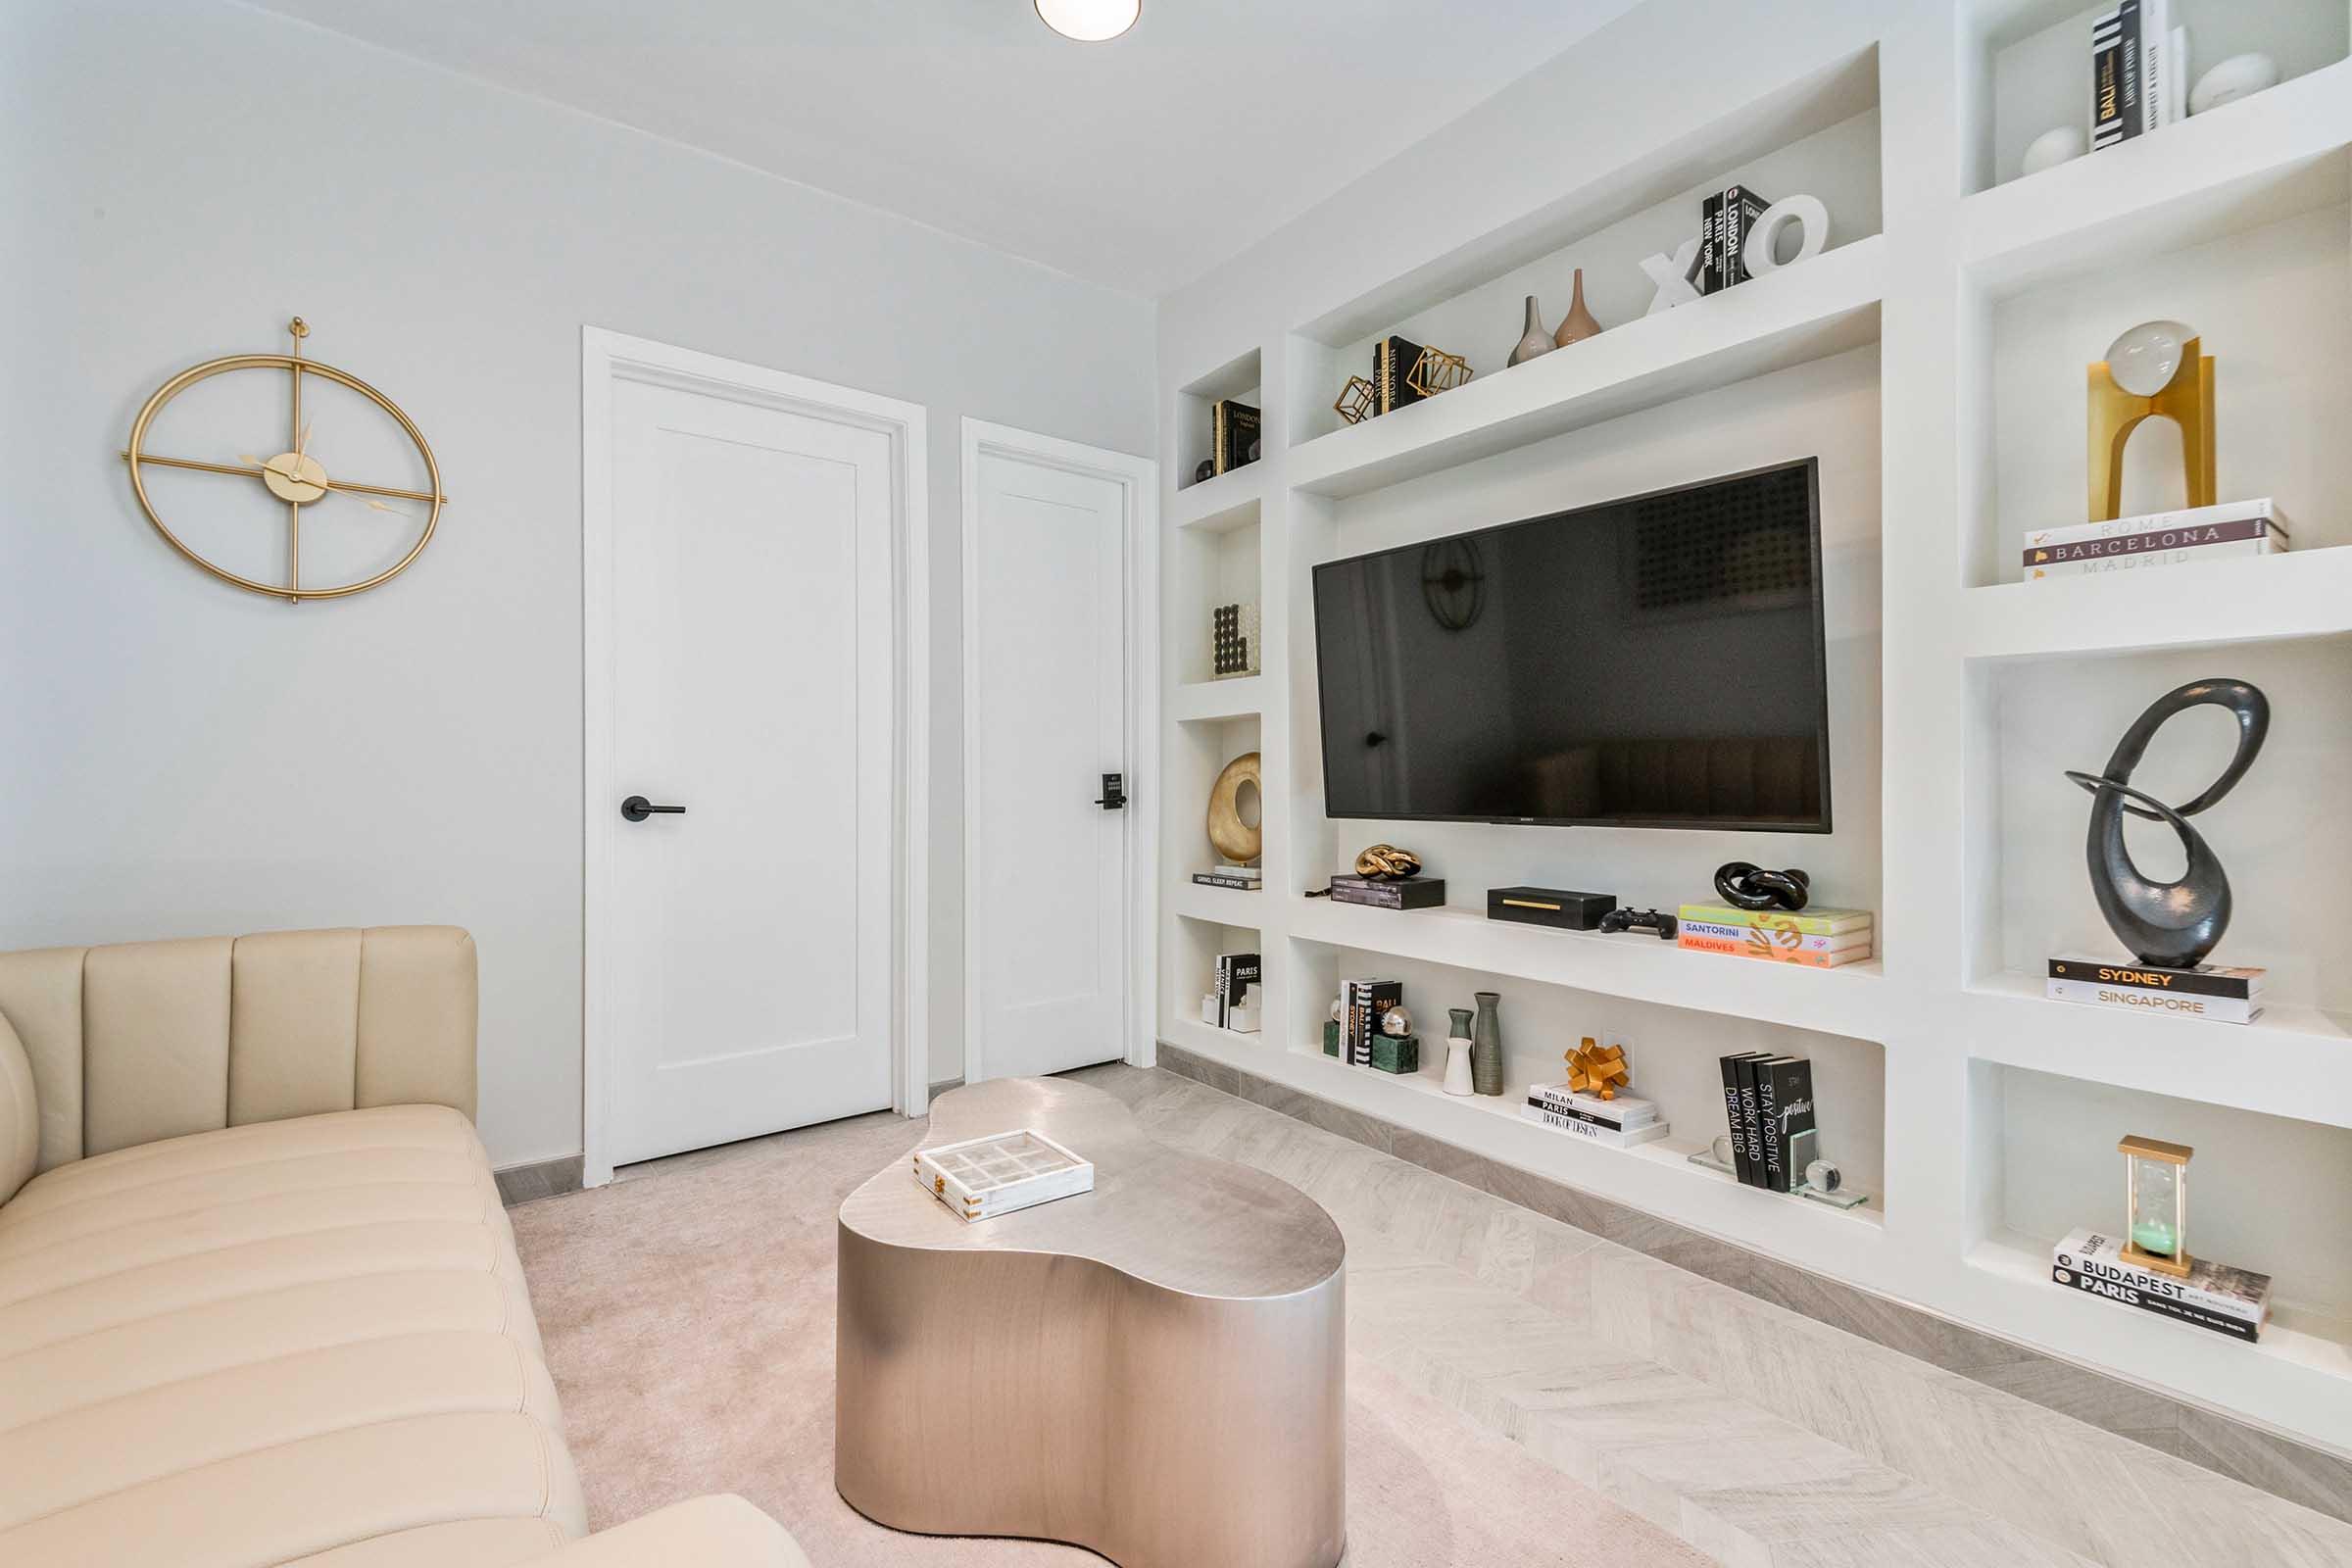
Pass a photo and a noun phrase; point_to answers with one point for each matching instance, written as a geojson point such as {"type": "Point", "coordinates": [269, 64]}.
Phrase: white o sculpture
{"type": "Point", "coordinates": [1764, 239]}
{"type": "Point", "coordinates": [1672, 275]}
{"type": "Point", "coordinates": [2234, 78]}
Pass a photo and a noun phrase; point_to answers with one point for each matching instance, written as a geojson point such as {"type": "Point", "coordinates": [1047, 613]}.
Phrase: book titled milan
{"type": "Point", "coordinates": [1367, 1002]}
{"type": "Point", "coordinates": [2229, 529]}
{"type": "Point", "coordinates": [1623, 1111]}
{"type": "Point", "coordinates": [2235, 1302]}
{"type": "Point", "coordinates": [1598, 1132]}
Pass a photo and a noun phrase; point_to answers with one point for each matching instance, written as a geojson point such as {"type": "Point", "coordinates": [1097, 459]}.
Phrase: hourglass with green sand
{"type": "Point", "coordinates": [2156, 1202]}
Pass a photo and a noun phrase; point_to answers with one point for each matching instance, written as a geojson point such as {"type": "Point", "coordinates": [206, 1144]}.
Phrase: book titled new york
{"type": "Point", "coordinates": [1391, 362]}
{"type": "Point", "coordinates": [2205, 980]}
{"type": "Point", "coordinates": [1733, 219]}
{"type": "Point", "coordinates": [1233, 425]}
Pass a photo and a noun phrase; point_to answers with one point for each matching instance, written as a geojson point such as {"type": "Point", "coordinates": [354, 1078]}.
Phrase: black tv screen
{"type": "Point", "coordinates": [1655, 662]}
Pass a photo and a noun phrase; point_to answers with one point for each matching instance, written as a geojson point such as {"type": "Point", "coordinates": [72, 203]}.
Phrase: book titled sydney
{"type": "Point", "coordinates": [2235, 1302]}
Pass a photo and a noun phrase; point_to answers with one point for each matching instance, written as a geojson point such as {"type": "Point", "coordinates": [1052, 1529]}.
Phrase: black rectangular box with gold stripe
{"type": "Point", "coordinates": [1571, 912]}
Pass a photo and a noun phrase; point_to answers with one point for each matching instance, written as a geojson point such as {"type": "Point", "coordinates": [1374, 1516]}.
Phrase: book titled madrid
{"type": "Point", "coordinates": [2164, 541]}
{"type": "Point", "coordinates": [2235, 1302]}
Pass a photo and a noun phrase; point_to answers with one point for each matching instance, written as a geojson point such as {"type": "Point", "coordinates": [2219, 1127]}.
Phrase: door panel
{"type": "Point", "coordinates": [752, 683]}
{"type": "Point", "coordinates": [1049, 907]}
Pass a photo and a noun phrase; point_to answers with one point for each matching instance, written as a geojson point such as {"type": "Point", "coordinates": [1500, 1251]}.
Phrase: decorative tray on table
{"type": "Point", "coordinates": [981, 1177]}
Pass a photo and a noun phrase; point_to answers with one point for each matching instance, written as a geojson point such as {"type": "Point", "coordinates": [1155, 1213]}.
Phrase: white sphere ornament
{"type": "Point", "coordinates": [1806, 212]}
{"type": "Point", "coordinates": [1090, 20]}
{"type": "Point", "coordinates": [2238, 77]}
{"type": "Point", "coordinates": [2144, 360]}
{"type": "Point", "coordinates": [2060, 145]}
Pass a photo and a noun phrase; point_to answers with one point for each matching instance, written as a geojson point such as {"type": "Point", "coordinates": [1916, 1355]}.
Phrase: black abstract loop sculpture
{"type": "Point", "coordinates": [2172, 924]}
{"type": "Point", "coordinates": [1752, 887]}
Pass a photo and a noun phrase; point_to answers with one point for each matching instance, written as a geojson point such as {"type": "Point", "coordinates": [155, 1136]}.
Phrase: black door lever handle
{"type": "Point", "coordinates": [637, 809]}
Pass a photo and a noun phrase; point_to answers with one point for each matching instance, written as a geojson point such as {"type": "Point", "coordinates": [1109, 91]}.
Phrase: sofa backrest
{"type": "Point", "coordinates": [149, 1039]}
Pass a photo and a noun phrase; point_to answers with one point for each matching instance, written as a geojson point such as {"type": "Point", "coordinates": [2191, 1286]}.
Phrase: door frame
{"type": "Point", "coordinates": [1137, 479]}
{"type": "Point", "coordinates": [606, 358]}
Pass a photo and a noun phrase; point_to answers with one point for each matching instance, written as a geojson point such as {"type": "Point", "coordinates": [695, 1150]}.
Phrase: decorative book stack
{"type": "Point", "coordinates": [1389, 893]}
{"type": "Point", "coordinates": [1237, 972]}
{"type": "Point", "coordinates": [1768, 1100]}
{"type": "Point", "coordinates": [1249, 878]}
{"type": "Point", "coordinates": [1725, 220]}
{"type": "Point", "coordinates": [1364, 1002]}
{"type": "Point", "coordinates": [2226, 532]}
{"type": "Point", "coordinates": [2235, 1302]}
{"type": "Point", "coordinates": [2138, 72]}
{"type": "Point", "coordinates": [1619, 1122]}
{"type": "Point", "coordinates": [2211, 991]}
{"type": "Point", "coordinates": [1817, 937]}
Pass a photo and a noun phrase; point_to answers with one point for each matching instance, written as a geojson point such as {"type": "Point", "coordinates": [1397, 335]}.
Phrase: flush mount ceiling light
{"type": "Point", "coordinates": [1090, 20]}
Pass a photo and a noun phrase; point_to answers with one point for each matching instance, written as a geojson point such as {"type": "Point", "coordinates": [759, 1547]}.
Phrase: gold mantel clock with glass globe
{"type": "Point", "coordinates": [372, 523]}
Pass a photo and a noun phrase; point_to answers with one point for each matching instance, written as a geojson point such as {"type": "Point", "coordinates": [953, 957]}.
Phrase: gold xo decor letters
{"type": "Point", "coordinates": [2154, 368]}
{"type": "Point", "coordinates": [294, 476]}
{"type": "Point", "coordinates": [1234, 839]}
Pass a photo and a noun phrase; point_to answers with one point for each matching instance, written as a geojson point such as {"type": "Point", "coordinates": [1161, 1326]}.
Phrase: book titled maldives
{"type": "Point", "coordinates": [1773, 945]}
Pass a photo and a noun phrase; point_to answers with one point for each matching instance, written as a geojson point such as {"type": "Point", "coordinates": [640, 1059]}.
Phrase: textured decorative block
{"type": "Point", "coordinates": [1331, 1037]}
{"type": "Point", "coordinates": [1399, 1054]}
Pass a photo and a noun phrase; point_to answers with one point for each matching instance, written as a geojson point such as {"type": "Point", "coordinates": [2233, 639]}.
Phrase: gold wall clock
{"type": "Point", "coordinates": [294, 478]}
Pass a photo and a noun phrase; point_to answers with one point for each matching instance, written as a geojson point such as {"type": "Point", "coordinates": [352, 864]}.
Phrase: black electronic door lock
{"type": "Point", "coordinates": [1114, 793]}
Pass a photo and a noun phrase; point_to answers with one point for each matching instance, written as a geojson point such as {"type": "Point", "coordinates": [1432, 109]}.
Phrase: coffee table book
{"type": "Point", "coordinates": [1410, 893]}
{"type": "Point", "coordinates": [1001, 1173]}
{"type": "Point", "coordinates": [2235, 1302]}
{"type": "Point", "coordinates": [1592, 1129]}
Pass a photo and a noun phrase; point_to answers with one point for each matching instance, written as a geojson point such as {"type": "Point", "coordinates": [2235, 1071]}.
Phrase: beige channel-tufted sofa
{"type": "Point", "coordinates": [259, 1299]}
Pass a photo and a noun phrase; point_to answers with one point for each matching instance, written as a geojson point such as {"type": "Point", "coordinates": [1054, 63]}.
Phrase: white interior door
{"type": "Point", "coordinates": [750, 648]}
{"type": "Point", "coordinates": [1047, 905]}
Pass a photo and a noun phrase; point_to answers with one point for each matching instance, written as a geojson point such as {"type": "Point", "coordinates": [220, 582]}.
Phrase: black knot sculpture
{"type": "Point", "coordinates": [2171, 924]}
{"type": "Point", "coordinates": [1752, 887]}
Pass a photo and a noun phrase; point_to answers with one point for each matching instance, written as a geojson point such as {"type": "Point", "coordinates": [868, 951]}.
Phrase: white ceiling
{"type": "Point", "coordinates": [1140, 163]}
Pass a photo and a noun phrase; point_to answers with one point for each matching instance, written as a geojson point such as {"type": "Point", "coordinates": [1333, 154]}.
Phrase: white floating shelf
{"type": "Point", "coordinates": [2278, 1368]}
{"type": "Point", "coordinates": [2292, 1062]}
{"type": "Point", "coordinates": [1197, 701]}
{"type": "Point", "coordinates": [2304, 592]}
{"type": "Point", "coordinates": [2232, 168]}
{"type": "Point", "coordinates": [1634, 964]}
{"type": "Point", "coordinates": [1222, 503]}
{"type": "Point", "coordinates": [1235, 907]}
{"type": "Point", "coordinates": [1808, 312]}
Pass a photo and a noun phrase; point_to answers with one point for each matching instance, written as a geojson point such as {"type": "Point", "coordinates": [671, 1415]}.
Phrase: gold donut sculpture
{"type": "Point", "coordinates": [1234, 839]}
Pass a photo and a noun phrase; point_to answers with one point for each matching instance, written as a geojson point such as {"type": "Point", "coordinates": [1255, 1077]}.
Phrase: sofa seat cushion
{"type": "Point", "coordinates": [277, 1340]}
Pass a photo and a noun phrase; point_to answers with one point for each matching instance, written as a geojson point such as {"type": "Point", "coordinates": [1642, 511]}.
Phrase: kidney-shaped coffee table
{"type": "Point", "coordinates": [1154, 1370]}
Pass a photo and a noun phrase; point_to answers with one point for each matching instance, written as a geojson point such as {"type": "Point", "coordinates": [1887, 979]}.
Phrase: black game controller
{"type": "Point", "coordinates": [1648, 919]}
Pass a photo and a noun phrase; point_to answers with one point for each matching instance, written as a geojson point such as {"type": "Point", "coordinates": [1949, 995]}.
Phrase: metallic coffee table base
{"type": "Point", "coordinates": [1154, 1370]}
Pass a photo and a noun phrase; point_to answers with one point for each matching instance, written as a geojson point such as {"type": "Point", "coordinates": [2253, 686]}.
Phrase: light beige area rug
{"type": "Point", "coordinates": [688, 1314]}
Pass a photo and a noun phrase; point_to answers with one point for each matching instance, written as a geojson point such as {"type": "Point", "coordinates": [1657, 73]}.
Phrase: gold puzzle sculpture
{"type": "Point", "coordinates": [1593, 1070]}
{"type": "Point", "coordinates": [1356, 400]}
{"type": "Point", "coordinates": [2155, 369]}
{"type": "Point", "coordinates": [1434, 370]}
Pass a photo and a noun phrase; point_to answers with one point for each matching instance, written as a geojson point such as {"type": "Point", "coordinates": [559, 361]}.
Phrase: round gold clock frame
{"type": "Point", "coordinates": [293, 476]}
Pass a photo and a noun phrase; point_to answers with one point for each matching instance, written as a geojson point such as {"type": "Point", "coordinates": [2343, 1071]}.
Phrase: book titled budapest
{"type": "Point", "coordinates": [1598, 1132]}
{"type": "Point", "coordinates": [2235, 1302]}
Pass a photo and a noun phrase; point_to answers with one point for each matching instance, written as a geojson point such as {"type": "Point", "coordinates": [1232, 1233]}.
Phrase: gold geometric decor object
{"type": "Point", "coordinates": [1234, 839]}
{"type": "Point", "coordinates": [1434, 370]}
{"type": "Point", "coordinates": [293, 476]}
{"type": "Point", "coordinates": [1386, 862]}
{"type": "Point", "coordinates": [1594, 1071]}
{"type": "Point", "coordinates": [1356, 400]}
{"type": "Point", "coordinates": [2155, 369]}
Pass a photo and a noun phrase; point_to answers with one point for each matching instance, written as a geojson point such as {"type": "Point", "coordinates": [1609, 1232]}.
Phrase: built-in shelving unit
{"type": "Point", "coordinates": [1931, 356]}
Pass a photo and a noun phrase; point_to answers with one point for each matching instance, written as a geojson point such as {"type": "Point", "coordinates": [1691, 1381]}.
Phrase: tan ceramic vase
{"type": "Point", "coordinates": [1578, 324]}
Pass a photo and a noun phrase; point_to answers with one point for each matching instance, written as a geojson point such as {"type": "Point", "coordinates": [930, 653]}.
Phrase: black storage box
{"type": "Point", "coordinates": [1571, 912]}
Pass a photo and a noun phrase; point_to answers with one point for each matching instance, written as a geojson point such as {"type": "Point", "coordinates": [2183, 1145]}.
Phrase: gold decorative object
{"type": "Point", "coordinates": [2154, 368]}
{"type": "Point", "coordinates": [1386, 862]}
{"type": "Point", "coordinates": [2156, 1204]}
{"type": "Point", "coordinates": [293, 476]}
{"type": "Point", "coordinates": [1595, 1072]}
{"type": "Point", "coordinates": [1434, 370]}
{"type": "Point", "coordinates": [1358, 400]}
{"type": "Point", "coordinates": [1234, 839]}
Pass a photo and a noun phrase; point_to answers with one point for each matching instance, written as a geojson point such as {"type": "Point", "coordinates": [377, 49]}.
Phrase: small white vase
{"type": "Point", "coordinates": [1457, 1067]}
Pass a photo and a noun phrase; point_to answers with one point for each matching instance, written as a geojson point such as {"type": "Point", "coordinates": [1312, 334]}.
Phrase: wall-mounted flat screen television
{"type": "Point", "coordinates": [1655, 662]}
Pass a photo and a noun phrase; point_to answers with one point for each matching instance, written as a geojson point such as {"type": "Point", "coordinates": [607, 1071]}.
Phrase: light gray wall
{"type": "Point", "coordinates": [178, 757]}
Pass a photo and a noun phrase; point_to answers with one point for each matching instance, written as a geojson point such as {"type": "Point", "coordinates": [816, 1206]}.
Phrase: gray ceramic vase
{"type": "Point", "coordinates": [1534, 340]}
{"type": "Point", "coordinates": [1486, 1045]}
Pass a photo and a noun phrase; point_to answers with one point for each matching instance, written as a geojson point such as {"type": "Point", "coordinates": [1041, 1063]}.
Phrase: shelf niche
{"type": "Point", "coordinates": [1190, 961]}
{"type": "Point", "coordinates": [2035, 75]}
{"type": "Point", "coordinates": [1240, 377]}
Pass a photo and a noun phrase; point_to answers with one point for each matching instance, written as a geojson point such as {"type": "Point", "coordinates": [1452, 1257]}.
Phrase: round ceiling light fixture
{"type": "Point", "coordinates": [1090, 20]}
